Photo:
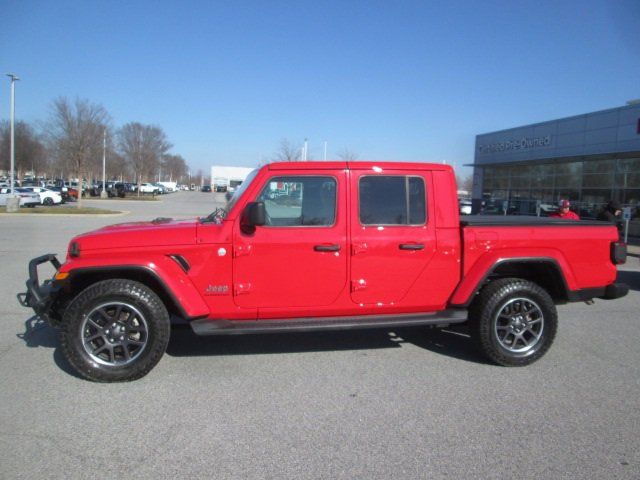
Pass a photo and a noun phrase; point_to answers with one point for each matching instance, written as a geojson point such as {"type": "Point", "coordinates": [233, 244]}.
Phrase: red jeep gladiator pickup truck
{"type": "Point", "coordinates": [323, 245]}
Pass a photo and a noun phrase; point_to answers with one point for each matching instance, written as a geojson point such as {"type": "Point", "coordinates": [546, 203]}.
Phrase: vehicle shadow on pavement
{"type": "Point", "coordinates": [453, 341]}
{"type": "Point", "coordinates": [630, 278]}
{"type": "Point", "coordinates": [38, 334]}
{"type": "Point", "coordinates": [184, 343]}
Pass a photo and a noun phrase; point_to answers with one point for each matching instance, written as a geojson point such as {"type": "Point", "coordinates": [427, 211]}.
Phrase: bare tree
{"type": "Point", "coordinates": [346, 154]}
{"type": "Point", "coordinates": [143, 147]}
{"type": "Point", "coordinates": [75, 133]}
{"type": "Point", "coordinates": [199, 178]}
{"type": "Point", "coordinates": [287, 152]}
{"type": "Point", "coordinates": [117, 165]}
{"type": "Point", "coordinates": [174, 167]}
{"type": "Point", "coordinates": [30, 152]}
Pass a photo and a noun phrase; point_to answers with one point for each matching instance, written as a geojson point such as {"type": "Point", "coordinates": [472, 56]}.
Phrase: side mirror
{"type": "Point", "coordinates": [253, 215]}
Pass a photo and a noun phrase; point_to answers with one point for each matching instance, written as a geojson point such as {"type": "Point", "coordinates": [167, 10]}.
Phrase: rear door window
{"type": "Point", "coordinates": [392, 200]}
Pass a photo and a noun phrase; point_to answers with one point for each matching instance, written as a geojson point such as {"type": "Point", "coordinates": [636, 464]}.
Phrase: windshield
{"type": "Point", "coordinates": [221, 213]}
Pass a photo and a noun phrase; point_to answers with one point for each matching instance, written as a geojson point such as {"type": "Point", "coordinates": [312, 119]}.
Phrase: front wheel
{"type": "Point", "coordinates": [513, 321]}
{"type": "Point", "coordinates": [115, 330]}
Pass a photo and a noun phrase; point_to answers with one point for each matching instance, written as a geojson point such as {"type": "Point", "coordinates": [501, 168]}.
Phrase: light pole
{"type": "Point", "coordinates": [10, 204]}
{"type": "Point", "coordinates": [103, 194]}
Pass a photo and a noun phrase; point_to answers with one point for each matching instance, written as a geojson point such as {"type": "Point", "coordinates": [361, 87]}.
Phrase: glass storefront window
{"type": "Point", "coordinates": [573, 181]}
{"type": "Point", "coordinates": [567, 194]}
{"type": "Point", "coordinates": [631, 196]}
{"type": "Point", "coordinates": [568, 168]}
{"type": "Point", "coordinates": [519, 170]}
{"type": "Point", "coordinates": [501, 183]}
{"type": "Point", "coordinates": [544, 195]}
{"type": "Point", "coordinates": [542, 170]}
{"type": "Point", "coordinates": [542, 181]}
{"type": "Point", "coordinates": [588, 184]}
{"type": "Point", "coordinates": [597, 180]}
{"type": "Point", "coordinates": [597, 196]}
{"type": "Point", "coordinates": [627, 180]}
{"type": "Point", "coordinates": [599, 166]}
{"type": "Point", "coordinates": [520, 182]}
{"type": "Point", "coordinates": [629, 165]}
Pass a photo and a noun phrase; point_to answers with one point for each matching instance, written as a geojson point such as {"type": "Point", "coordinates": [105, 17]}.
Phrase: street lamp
{"type": "Point", "coordinates": [13, 151]}
{"type": "Point", "coordinates": [103, 194]}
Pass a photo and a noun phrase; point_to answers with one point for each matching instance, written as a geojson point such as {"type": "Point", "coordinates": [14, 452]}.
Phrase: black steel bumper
{"type": "Point", "coordinates": [615, 290]}
{"type": "Point", "coordinates": [610, 292]}
{"type": "Point", "coordinates": [40, 297]}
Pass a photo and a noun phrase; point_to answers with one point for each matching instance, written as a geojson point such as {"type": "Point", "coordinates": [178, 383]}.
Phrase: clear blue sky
{"type": "Point", "coordinates": [393, 80]}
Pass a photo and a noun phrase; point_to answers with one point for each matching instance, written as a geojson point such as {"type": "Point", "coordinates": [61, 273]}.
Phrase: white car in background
{"type": "Point", "coordinates": [465, 207]}
{"type": "Point", "coordinates": [47, 197]}
{"type": "Point", "coordinates": [149, 188]}
{"type": "Point", "coordinates": [27, 199]}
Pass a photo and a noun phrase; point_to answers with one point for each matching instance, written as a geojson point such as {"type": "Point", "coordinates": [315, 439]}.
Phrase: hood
{"type": "Point", "coordinates": [159, 232]}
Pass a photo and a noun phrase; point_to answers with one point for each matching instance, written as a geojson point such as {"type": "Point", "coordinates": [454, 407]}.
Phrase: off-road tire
{"type": "Point", "coordinates": [135, 296]}
{"type": "Point", "coordinates": [496, 298]}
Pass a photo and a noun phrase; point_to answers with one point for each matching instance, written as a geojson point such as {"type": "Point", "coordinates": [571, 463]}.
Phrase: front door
{"type": "Point", "coordinates": [393, 240]}
{"type": "Point", "coordinates": [299, 257]}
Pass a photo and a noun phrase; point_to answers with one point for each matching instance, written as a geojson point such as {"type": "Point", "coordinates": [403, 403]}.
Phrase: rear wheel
{"type": "Point", "coordinates": [115, 330]}
{"type": "Point", "coordinates": [513, 321]}
{"type": "Point", "coordinates": [47, 201]}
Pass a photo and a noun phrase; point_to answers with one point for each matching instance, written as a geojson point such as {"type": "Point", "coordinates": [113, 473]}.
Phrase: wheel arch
{"type": "Point", "coordinates": [80, 279]}
{"type": "Point", "coordinates": [545, 272]}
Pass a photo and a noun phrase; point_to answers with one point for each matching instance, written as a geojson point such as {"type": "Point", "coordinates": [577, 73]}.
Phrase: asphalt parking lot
{"type": "Point", "coordinates": [410, 403]}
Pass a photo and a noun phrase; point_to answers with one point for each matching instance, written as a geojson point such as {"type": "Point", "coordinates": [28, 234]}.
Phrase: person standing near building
{"type": "Point", "coordinates": [564, 211]}
{"type": "Point", "coordinates": [611, 213]}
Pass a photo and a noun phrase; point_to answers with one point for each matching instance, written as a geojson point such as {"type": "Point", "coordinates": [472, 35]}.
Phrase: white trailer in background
{"type": "Point", "coordinates": [225, 179]}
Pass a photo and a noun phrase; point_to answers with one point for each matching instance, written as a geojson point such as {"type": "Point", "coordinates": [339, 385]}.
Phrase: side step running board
{"type": "Point", "coordinates": [237, 327]}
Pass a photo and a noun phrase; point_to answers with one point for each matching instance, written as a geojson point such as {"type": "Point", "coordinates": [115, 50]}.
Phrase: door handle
{"type": "Point", "coordinates": [412, 246]}
{"type": "Point", "coordinates": [326, 248]}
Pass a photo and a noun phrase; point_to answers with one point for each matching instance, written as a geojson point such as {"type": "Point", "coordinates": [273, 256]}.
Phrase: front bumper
{"type": "Point", "coordinates": [40, 297]}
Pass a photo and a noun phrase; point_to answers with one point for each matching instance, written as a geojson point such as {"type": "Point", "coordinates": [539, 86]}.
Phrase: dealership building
{"type": "Point", "coordinates": [588, 159]}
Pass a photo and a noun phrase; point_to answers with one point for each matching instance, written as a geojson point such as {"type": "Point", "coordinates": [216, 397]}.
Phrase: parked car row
{"type": "Point", "coordinates": [120, 189]}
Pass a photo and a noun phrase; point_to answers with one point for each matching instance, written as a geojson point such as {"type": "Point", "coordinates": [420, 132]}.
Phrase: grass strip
{"type": "Point", "coordinates": [63, 210]}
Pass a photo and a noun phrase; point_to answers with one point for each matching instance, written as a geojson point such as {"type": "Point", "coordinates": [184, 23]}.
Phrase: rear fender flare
{"type": "Point", "coordinates": [485, 267]}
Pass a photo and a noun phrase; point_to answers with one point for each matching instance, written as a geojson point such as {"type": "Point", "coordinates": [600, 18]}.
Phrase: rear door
{"type": "Point", "coordinates": [299, 257]}
{"type": "Point", "coordinates": [393, 238]}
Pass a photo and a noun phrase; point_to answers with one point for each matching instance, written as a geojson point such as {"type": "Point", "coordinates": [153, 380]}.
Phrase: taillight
{"type": "Point", "coordinates": [618, 253]}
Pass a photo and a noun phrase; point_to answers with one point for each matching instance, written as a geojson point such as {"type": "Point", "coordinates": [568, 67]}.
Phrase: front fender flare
{"type": "Point", "coordinates": [170, 278]}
